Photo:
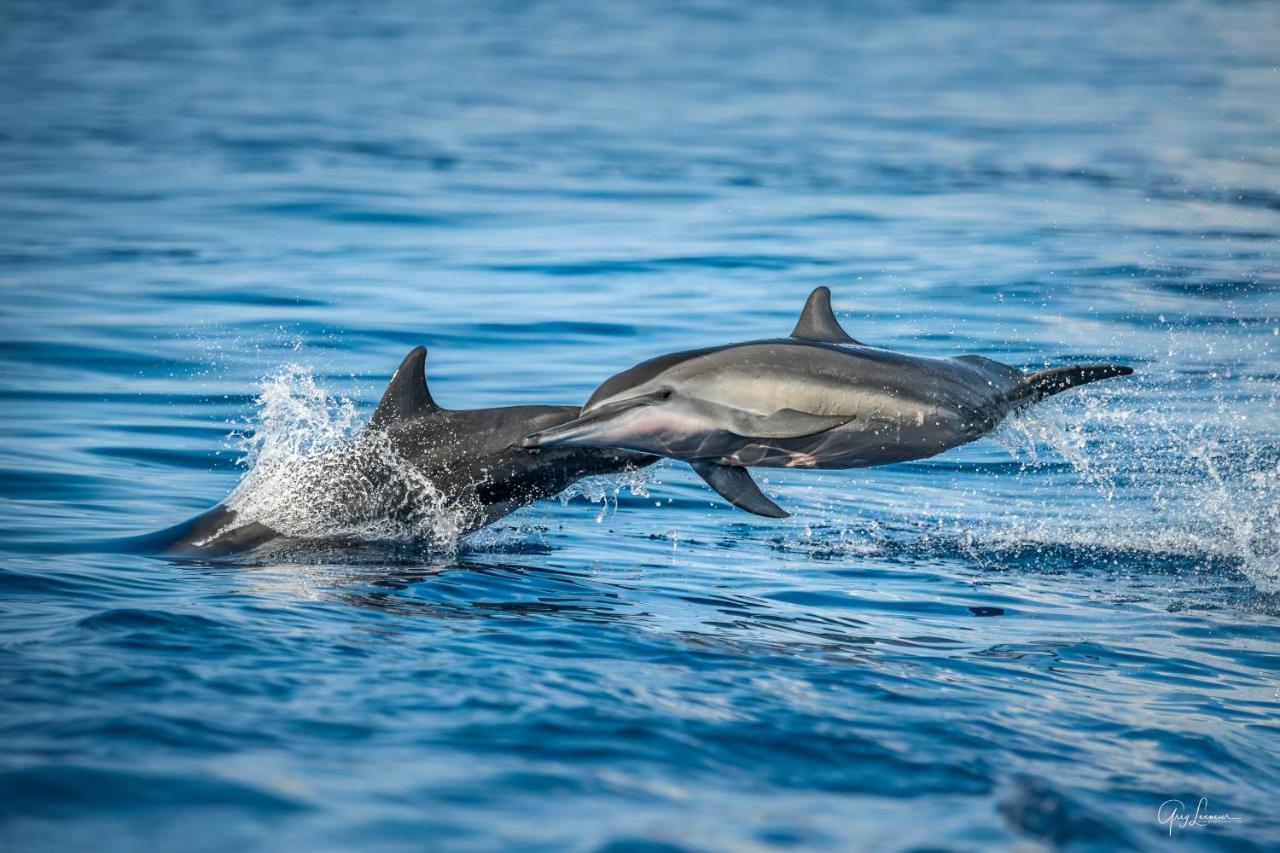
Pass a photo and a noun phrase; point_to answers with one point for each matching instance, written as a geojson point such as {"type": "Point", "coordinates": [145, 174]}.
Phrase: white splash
{"type": "Point", "coordinates": [605, 490]}
{"type": "Point", "coordinates": [1156, 468]}
{"type": "Point", "coordinates": [1208, 488]}
{"type": "Point", "coordinates": [312, 474]}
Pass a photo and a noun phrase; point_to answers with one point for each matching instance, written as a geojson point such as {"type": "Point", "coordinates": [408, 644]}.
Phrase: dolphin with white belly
{"type": "Point", "coordinates": [818, 399]}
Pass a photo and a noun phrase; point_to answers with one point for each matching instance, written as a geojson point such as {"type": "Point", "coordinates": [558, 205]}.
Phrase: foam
{"type": "Point", "coordinates": [312, 474]}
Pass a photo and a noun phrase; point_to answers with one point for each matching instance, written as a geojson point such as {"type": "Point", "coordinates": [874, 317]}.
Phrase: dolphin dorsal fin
{"type": "Point", "coordinates": [818, 322]}
{"type": "Point", "coordinates": [406, 395]}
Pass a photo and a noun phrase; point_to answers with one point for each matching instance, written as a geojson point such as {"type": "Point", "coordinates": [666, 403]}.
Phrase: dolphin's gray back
{"type": "Point", "coordinates": [829, 371]}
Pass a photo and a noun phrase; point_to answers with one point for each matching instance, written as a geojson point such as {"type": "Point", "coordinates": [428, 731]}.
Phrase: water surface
{"type": "Point", "coordinates": [234, 219]}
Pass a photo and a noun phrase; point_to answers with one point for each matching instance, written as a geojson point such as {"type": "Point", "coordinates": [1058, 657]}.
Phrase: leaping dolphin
{"type": "Point", "coordinates": [818, 399]}
{"type": "Point", "coordinates": [471, 457]}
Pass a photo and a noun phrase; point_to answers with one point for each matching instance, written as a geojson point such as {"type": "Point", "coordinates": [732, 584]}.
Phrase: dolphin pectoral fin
{"type": "Point", "coordinates": [818, 322]}
{"type": "Point", "coordinates": [734, 484]}
{"type": "Point", "coordinates": [785, 423]}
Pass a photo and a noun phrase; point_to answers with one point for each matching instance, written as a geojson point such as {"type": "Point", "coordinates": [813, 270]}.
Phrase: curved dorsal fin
{"type": "Point", "coordinates": [818, 322]}
{"type": "Point", "coordinates": [406, 395]}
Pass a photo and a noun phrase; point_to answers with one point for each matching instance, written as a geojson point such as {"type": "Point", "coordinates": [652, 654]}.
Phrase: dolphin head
{"type": "Point", "coordinates": [644, 380]}
{"type": "Point", "coordinates": [698, 404]}
{"type": "Point", "coordinates": [642, 408]}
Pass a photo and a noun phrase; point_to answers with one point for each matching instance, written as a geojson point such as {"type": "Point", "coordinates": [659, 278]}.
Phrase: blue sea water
{"type": "Point", "coordinates": [223, 224]}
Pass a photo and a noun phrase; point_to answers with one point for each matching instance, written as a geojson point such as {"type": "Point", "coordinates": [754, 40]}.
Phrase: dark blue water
{"type": "Point", "coordinates": [236, 218]}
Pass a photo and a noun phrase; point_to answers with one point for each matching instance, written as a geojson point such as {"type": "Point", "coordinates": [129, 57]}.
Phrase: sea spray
{"type": "Point", "coordinates": [312, 473]}
{"type": "Point", "coordinates": [1207, 489]}
{"type": "Point", "coordinates": [1103, 473]}
{"type": "Point", "coordinates": [606, 490]}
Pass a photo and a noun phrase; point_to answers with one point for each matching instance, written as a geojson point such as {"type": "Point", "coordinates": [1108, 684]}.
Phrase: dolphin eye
{"type": "Point", "coordinates": [665, 394]}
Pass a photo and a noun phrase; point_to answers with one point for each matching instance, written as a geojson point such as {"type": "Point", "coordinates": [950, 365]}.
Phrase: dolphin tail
{"type": "Point", "coordinates": [1046, 383]}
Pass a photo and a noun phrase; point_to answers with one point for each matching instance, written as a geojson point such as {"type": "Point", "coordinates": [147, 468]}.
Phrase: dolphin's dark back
{"type": "Point", "coordinates": [471, 458]}
{"type": "Point", "coordinates": [476, 454]}
{"type": "Point", "coordinates": [215, 533]}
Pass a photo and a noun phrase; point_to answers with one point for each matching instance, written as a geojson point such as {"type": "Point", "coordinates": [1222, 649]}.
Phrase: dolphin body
{"type": "Point", "coordinates": [818, 399]}
{"type": "Point", "coordinates": [472, 457]}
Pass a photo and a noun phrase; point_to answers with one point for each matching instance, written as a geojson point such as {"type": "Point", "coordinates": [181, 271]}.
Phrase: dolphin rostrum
{"type": "Point", "coordinates": [818, 399]}
{"type": "Point", "coordinates": [471, 459]}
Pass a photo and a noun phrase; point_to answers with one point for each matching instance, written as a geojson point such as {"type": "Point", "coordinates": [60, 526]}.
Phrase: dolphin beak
{"type": "Point", "coordinates": [583, 429]}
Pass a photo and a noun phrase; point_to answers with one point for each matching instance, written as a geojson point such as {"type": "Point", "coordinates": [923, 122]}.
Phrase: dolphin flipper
{"type": "Point", "coordinates": [818, 322]}
{"type": "Point", "coordinates": [734, 484]}
{"type": "Point", "coordinates": [785, 423]}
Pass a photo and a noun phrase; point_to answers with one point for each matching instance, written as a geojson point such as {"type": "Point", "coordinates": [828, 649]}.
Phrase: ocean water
{"type": "Point", "coordinates": [222, 225]}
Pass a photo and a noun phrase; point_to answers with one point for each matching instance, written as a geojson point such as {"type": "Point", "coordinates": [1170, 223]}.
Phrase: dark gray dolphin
{"type": "Point", "coordinates": [471, 457]}
{"type": "Point", "coordinates": [819, 399]}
